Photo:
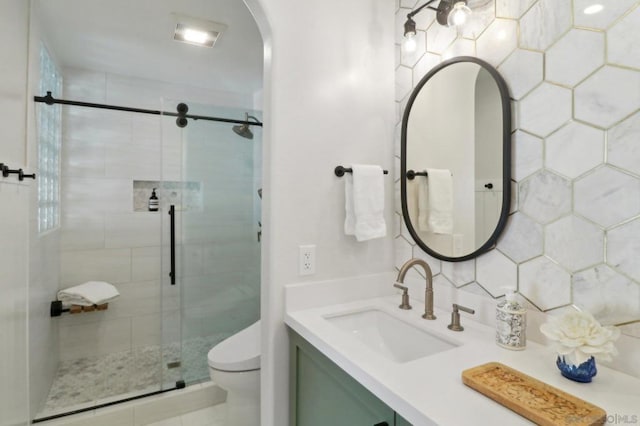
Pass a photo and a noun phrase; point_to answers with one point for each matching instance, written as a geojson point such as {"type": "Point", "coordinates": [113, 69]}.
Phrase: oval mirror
{"type": "Point", "coordinates": [456, 159]}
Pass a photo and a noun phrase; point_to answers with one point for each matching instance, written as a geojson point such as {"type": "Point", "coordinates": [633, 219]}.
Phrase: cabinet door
{"type": "Point", "coordinates": [322, 394]}
{"type": "Point", "coordinates": [401, 422]}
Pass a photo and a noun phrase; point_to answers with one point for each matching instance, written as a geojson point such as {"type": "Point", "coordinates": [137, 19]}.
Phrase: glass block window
{"type": "Point", "coordinates": [49, 122]}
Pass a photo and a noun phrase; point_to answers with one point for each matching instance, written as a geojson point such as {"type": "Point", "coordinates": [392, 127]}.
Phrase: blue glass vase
{"type": "Point", "coordinates": [582, 373]}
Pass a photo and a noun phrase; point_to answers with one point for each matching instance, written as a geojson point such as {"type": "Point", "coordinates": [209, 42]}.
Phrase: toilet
{"type": "Point", "coordinates": [234, 365]}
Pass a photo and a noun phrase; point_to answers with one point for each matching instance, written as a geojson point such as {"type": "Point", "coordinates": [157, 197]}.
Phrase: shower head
{"type": "Point", "coordinates": [243, 129]}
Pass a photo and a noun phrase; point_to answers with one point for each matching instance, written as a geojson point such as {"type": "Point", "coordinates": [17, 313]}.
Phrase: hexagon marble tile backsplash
{"type": "Point", "coordinates": [573, 236]}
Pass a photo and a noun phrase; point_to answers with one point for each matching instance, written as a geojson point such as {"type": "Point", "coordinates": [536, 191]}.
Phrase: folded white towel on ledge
{"type": "Point", "coordinates": [88, 294]}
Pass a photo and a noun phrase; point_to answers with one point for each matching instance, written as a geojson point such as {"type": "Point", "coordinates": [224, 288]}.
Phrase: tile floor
{"type": "Point", "coordinates": [210, 416]}
{"type": "Point", "coordinates": [89, 381]}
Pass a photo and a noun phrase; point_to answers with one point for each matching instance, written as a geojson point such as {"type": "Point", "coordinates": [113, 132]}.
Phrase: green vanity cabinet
{"type": "Point", "coordinates": [322, 394]}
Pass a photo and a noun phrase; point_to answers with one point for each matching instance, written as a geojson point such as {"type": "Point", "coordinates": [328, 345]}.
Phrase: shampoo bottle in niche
{"type": "Point", "coordinates": [511, 323]}
{"type": "Point", "coordinates": [153, 201]}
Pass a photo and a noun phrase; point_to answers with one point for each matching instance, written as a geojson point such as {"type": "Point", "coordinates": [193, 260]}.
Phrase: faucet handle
{"type": "Point", "coordinates": [405, 296]}
{"type": "Point", "coordinates": [455, 317]}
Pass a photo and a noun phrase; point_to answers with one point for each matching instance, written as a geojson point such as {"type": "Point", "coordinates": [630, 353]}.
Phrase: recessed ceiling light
{"type": "Point", "coordinates": [593, 9]}
{"type": "Point", "coordinates": [197, 32]}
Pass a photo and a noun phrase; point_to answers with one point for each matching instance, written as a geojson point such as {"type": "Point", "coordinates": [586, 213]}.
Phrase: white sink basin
{"type": "Point", "coordinates": [395, 339]}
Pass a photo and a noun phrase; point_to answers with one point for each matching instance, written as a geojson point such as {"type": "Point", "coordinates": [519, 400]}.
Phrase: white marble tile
{"type": "Point", "coordinates": [426, 63]}
{"type": "Point", "coordinates": [84, 85]}
{"type": "Point", "coordinates": [82, 158]}
{"type": "Point", "coordinates": [145, 330]}
{"type": "Point", "coordinates": [145, 263]}
{"type": "Point", "coordinates": [623, 149]}
{"type": "Point", "coordinates": [425, 19]}
{"type": "Point", "coordinates": [89, 196]}
{"type": "Point", "coordinates": [403, 82]}
{"type": "Point", "coordinates": [544, 23]}
{"type": "Point", "coordinates": [574, 149]}
{"type": "Point", "coordinates": [623, 41]}
{"type": "Point", "coordinates": [403, 251]}
{"type": "Point", "coordinates": [607, 96]}
{"type": "Point", "coordinates": [512, 8]}
{"type": "Point", "coordinates": [481, 17]}
{"type": "Point", "coordinates": [498, 41]}
{"type": "Point", "coordinates": [612, 10]}
{"type": "Point", "coordinates": [140, 229]}
{"type": "Point", "coordinates": [545, 109]}
{"type": "Point", "coordinates": [95, 338]}
{"type": "Point", "coordinates": [544, 283]}
{"type": "Point", "coordinates": [527, 155]}
{"type": "Point", "coordinates": [576, 55]}
{"type": "Point", "coordinates": [460, 273]}
{"type": "Point", "coordinates": [611, 297]}
{"type": "Point", "coordinates": [79, 232]}
{"type": "Point", "coordinates": [515, 197]}
{"type": "Point", "coordinates": [408, 4]}
{"type": "Point", "coordinates": [409, 58]}
{"type": "Point", "coordinates": [522, 238]}
{"type": "Point", "coordinates": [434, 264]}
{"type": "Point", "coordinates": [439, 38]}
{"type": "Point", "coordinates": [460, 47]}
{"type": "Point", "coordinates": [522, 70]}
{"type": "Point", "coordinates": [622, 250]}
{"type": "Point", "coordinates": [475, 288]}
{"type": "Point", "coordinates": [397, 54]}
{"type": "Point", "coordinates": [133, 160]}
{"type": "Point", "coordinates": [96, 126]}
{"type": "Point", "coordinates": [111, 265]}
{"type": "Point", "coordinates": [607, 196]}
{"type": "Point", "coordinates": [574, 243]}
{"type": "Point", "coordinates": [494, 272]}
{"type": "Point", "coordinates": [545, 196]}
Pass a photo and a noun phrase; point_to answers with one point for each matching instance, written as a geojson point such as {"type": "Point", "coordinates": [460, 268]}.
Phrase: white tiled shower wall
{"type": "Point", "coordinates": [572, 237]}
{"type": "Point", "coordinates": [101, 236]}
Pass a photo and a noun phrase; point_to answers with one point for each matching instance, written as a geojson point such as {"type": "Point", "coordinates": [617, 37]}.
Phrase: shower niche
{"type": "Point", "coordinates": [182, 195]}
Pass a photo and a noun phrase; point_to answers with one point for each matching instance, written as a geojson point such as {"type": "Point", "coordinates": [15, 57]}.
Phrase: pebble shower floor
{"type": "Point", "coordinates": [85, 382]}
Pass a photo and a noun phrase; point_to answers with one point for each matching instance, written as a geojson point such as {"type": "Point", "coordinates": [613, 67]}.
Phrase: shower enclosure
{"type": "Point", "coordinates": [187, 280]}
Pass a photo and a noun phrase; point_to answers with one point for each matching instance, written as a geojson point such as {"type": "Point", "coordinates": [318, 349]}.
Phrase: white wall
{"type": "Point", "coordinates": [328, 101]}
{"type": "Point", "coordinates": [14, 214]}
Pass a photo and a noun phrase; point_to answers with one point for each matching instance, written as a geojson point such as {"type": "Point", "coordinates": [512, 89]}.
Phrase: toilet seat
{"type": "Point", "coordinates": [240, 352]}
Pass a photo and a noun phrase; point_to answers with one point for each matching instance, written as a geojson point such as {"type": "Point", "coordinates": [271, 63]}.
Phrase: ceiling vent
{"type": "Point", "coordinates": [197, 31]}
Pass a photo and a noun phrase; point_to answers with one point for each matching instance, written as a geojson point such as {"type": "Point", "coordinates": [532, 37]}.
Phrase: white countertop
{"type": "Point", "coordinates": [429, 390]}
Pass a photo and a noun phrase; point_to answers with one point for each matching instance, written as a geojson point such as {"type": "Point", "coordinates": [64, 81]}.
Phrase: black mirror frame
{"type": "Point", "coordinates": [506, 159]}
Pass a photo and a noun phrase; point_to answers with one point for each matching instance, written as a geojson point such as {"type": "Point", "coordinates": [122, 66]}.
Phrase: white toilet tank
{"type": "Point", "coordinates": [240, 352]}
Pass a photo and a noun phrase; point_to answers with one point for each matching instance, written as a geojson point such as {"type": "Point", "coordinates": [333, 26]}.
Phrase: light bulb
{"type": "Point", "coordinates": [459, 14]}
{"type": "Point", "coordinates": [593, 9]}
{"type": "Point", "coordinates": [410, 43]}
{"type": "Point", "coordinates": [195, 36]}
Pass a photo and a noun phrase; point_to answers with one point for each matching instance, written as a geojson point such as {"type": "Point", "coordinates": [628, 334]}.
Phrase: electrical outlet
{"type": "Point", "coordinates": [307, 260]}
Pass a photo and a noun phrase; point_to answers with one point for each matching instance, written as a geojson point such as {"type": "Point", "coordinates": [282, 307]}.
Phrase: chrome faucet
{"type": "Point", "coordinates": [428, 294]}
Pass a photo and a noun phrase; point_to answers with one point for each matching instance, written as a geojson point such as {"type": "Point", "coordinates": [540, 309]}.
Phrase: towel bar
{"type": "Point", "coordinates": [57, 309]}
{"type": "Point", "coordinates": [411, 174]}
{"type": "Point", "coordinates": [340, 171]}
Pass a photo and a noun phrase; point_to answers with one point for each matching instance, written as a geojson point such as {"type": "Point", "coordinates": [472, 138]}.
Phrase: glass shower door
{"type": "Point", "coordinates": [217, 233]}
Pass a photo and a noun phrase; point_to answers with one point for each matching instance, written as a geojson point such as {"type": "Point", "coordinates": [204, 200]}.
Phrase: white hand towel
{"type": "Point", "coordinates": [423, 203]}
{"type": "Point", "coordinates": [88, 294]}
{"type": "Point", "coordinates": [364, 203]}
{"type": "Point", "coordinates": [440, 201]}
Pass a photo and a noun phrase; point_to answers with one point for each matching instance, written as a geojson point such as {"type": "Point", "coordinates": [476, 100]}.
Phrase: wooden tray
{"type": "Point", "coordinates": [531, 398]}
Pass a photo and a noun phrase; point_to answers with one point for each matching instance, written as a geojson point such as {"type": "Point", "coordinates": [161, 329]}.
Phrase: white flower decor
{"type": "Point", "coordinates": [579, 336]}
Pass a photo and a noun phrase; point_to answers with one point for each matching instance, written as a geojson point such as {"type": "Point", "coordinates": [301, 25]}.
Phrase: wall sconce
{"type": "Point", "coordinates": [449, 13]}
